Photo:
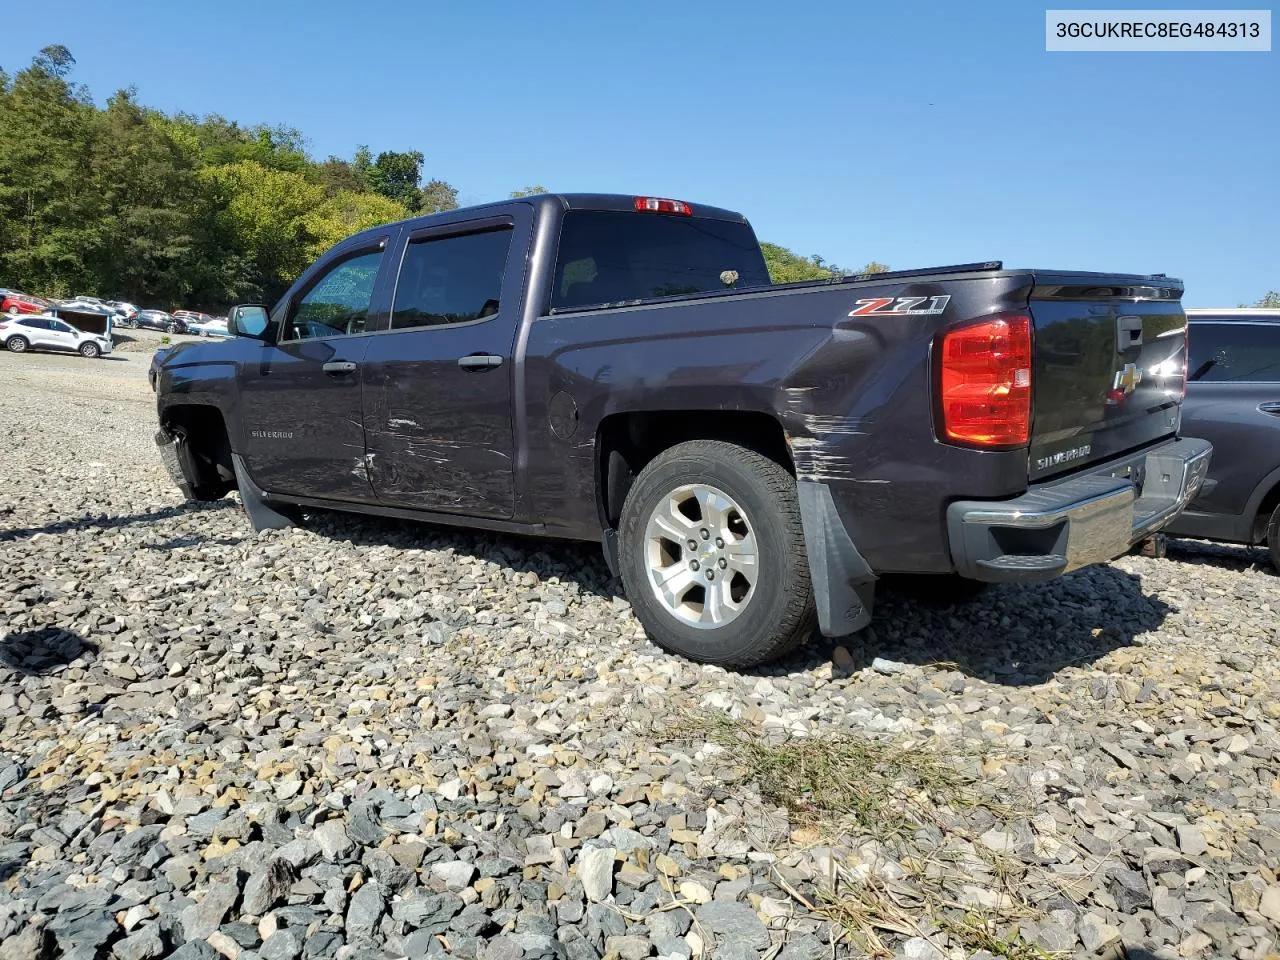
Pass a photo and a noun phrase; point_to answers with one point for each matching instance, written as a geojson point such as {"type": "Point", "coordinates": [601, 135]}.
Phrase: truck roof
{"type": "Point", "coordinates": [1234, 313]}
{"type": "Point", "coordinates": [621, 202]}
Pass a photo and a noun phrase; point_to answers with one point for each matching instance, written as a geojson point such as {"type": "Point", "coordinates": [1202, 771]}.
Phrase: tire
{"type": "Point", "coordinates": [1273, 538]}
{"type": "Point", "coordinates": [13, 311]}
{"type": "Point", "coordinates": [17, 344]}
{"type": "Point", "coordinates": [90, 351]}
{"type": "Point", "coordinates": [169, 328]}
{"type": "Point", "coordinates": [196, 465]}
{"type": "Point", "coordinates": [131, 324]}
{"type": "Point", "coordinates": [765, 598]}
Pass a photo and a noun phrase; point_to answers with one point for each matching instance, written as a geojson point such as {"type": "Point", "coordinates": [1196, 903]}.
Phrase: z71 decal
{"type": "Point", "coordinates": [900, 306]}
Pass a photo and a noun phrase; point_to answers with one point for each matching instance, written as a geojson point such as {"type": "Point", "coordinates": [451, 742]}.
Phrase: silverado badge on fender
{"type": "Point", "coordinates": [900, 306]}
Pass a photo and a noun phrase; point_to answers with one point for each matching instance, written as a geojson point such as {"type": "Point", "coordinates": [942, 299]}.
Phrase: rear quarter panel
{"type": "Point", "coordinates": [853, 395]}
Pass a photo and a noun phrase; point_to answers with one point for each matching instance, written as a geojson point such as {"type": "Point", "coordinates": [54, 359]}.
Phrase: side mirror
{"type": "Point", "coordinates": [247, 320]}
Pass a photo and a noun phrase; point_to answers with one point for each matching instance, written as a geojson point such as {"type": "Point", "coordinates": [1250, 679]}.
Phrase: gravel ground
{"type": "Point", "coordinates": [363, 739]}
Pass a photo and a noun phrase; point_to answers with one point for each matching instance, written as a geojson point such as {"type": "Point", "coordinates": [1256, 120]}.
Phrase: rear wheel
{"type": "Point", "coordinates": [18, 344]}
{"type": "Point", "coordinates": [89, 350]}
{"type": "Point", "coordinates": [13, 311]}
{"type": "Point", "coordinates": [131, 323]}
{"type": "Point", "coordinates": [712, 555]}
{"type": "Point", "coordinates": [1273, 538]}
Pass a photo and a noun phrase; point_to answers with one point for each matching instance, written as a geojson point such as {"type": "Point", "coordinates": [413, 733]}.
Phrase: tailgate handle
{"type": "Point", "coordinates": [1128, 333]}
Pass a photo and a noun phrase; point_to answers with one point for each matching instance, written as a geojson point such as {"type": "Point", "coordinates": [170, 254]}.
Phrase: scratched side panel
{"type": "Point", "coordinates": [852, 395]}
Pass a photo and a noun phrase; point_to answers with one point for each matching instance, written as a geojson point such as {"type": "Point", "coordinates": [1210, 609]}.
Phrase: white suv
{"type": "Point", "coordinates": [18, 334]}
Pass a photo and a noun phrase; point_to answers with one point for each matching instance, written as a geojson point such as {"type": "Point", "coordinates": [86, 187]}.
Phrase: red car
{"type": "Point", "coordinates": [15, 303]}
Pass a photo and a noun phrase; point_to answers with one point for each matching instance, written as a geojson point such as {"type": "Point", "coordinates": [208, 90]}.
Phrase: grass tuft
{"type": "Point", "coordinates": [848, 785]}
{"type": "Point", "coordinates": [841, 780]}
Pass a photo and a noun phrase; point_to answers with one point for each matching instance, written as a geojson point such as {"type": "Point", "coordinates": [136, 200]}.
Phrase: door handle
{"type": "Point", "coordinates": [339, 366]}
{"type": "Point", "coordinates": [1128, 333]}
{"type": "Point", "coordinates": [1271, 408]}
{"type": "Point", "coordinates": [479, 361]}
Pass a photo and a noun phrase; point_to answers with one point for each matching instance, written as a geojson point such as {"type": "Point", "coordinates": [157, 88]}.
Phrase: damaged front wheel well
{"type": "Point", "coordinates": [204, 449]}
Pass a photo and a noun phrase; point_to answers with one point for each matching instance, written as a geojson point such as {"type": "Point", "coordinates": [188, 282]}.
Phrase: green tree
{"type": "Point", "coordinates": [397, 175]}
{"type": "Point", "coordinates": [45, 155]}
{"type": "Point", "coordinates": [786, 266]}
{"type": "Point", "coordinates": [532, 191]}
{"type": "Point", "coordinates": [1270, 300]}
{"type": "Point", "coordinates": [438, 196]}
{"type": "Point", "coordinates": [143, 188]}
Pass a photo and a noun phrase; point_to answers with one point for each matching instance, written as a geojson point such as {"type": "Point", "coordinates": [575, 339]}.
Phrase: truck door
{"type": "Point", "coordinates": [438, 382]}
{"type": "Point", "coordinates": [300, 396]}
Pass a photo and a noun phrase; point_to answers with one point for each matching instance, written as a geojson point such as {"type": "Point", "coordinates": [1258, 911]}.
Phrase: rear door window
{"type": "Point", "coordinates": [446, 280]}
{"type": "Point", "coordinates": [614, 256]}
{"type": "Point", "coordinates": [1235, 352]}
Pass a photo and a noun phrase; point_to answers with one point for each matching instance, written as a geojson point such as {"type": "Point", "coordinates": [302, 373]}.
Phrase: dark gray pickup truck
{"type": "Point", "coordinates": [752, 456]}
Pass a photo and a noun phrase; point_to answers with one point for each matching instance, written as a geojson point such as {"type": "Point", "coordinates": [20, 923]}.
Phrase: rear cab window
{"type": "Point", "coordinates": [610, 256]}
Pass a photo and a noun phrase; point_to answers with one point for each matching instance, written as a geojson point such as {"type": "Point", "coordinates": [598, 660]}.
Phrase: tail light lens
{"type": "Point", "coordinates": [985, 384]}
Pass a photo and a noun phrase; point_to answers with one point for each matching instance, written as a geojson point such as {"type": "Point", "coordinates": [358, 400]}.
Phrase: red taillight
{"type": "Point", "coordinates": [985, 385]}
{"type": "Point", "coordinates": [659, 205]}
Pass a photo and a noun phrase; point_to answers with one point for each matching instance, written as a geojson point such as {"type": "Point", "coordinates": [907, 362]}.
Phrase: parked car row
{"type": "Point", "coordinates": [95, 318]}
{"type": "Point", "coordinates": [18, 334]}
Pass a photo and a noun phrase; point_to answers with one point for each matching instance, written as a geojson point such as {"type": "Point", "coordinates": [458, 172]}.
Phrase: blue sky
{"type": "Point", "coordinates": [914, 134]}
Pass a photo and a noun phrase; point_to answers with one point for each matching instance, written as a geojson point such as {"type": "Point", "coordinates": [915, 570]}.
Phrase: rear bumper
{"type": "Point", "coordinates": [1087, 518]}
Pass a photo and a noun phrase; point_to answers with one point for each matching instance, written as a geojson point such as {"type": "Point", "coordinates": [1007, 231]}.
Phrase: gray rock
{"type": "Point", "coordinates": [146, 944]}
{"type": "Point", "coordinates": [282, 945]}
{"type": "Point", "coordinates": [1129, 888]}
{"type": "Point", "coordinates": [501, 948]}
{"type": "Point", "coordinates": [1095, 933]}
{"type": "Point", "coordinates": [267, 887]}
{"type": "Point", "coordinates": [456, 874]}
{"type": "Point", "coordinates": [1191, 840]}
{"type": "Point", "coordinates": [201, 919]}
{"type": "Point", "coordinates": [365, 910]}
{"type": "Point", "coordinates": [595, 870]}
{"type": "Point", "coordinates": [807, 947]}
{"type": "Point", "coordinates": [30, 943]}
{"type": "Point", "coordinates": [733, 923]}
{"type": "Point", "coordinates": [322, 945]}
{"type": "Point", "coordinates": [197, 950]}
{"type": "Point", "coordinates": [331, 836]}
{"type": "Point", "coordinates": [629, 947]}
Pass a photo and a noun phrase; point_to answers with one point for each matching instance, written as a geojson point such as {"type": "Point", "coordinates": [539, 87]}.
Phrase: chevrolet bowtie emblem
{"type": "Point", "coordinates": [1127, 379]}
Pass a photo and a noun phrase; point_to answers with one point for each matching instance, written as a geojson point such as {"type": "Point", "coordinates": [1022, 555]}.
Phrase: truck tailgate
{"type": "Point", "coordinates": [1109, 367]}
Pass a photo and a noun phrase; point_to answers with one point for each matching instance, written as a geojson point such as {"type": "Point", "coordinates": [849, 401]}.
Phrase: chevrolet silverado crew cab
{"type": "Point", "coordinates": [751, 456]}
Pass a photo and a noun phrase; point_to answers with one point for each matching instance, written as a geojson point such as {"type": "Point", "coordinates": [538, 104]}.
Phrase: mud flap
{"type": "Point", "coordinates": [262, 515]}
{"type": "Point", "coordinates": [843, 583]}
